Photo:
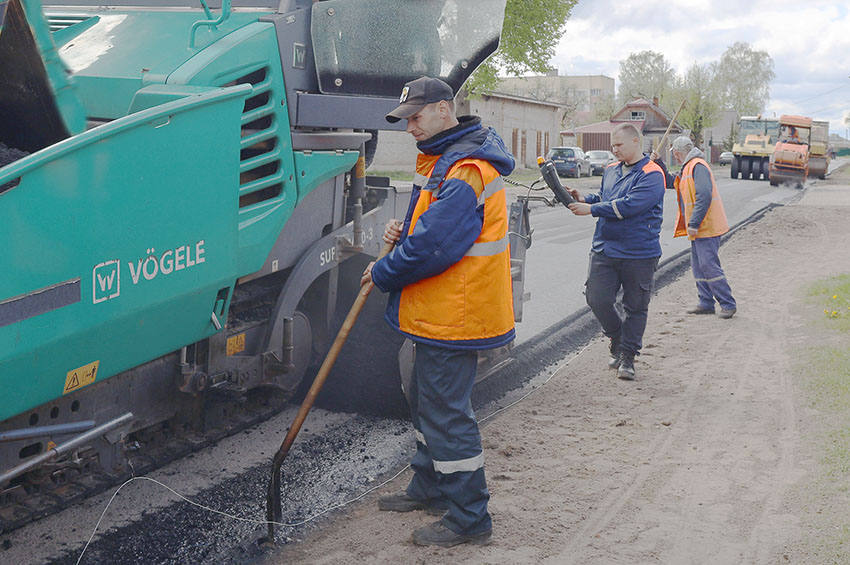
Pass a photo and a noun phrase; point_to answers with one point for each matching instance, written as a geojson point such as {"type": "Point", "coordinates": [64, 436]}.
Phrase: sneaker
{"type": "Point", "coordinates": [614, 349]}
{"type": "Point", "coordinates": [726, 314]}
{"type": "Point", "coordinates": [627, 367]}
{"type": "Point", "coordinates": [402, 502]}
{"type": "Point", "coordinates": [437, 534]}
{"type": "Point", "coordinates": [701, 310]}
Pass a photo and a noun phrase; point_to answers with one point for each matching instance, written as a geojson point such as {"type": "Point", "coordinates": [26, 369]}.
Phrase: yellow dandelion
{"type": "Point", "coordinates": [834, 296]}
{"type": "Point", "coordinates": [825, 311]}
{"type": "Point", "coordinates": [834, 313]}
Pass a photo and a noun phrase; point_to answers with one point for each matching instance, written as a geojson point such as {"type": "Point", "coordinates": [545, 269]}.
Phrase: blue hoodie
{"type": "Point", "coordinates": [448, 228]}
{"type": "Point", "coordinates": [630, 209]}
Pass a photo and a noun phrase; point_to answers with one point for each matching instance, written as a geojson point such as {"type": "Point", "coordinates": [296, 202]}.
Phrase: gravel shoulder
{"type": "Point", "coordinates": [717, 453]}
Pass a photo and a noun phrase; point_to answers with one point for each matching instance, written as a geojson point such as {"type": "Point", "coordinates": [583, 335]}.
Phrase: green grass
{"type": "Point", "coordinates": [825, 372]}
{"type": "Point", "coordinates": [837, 456]}
{"type": "Point", "coordinates": [525, 175]}
{"type": "Point", "coordinates": [842, 541]}
{"type": "Point", "coordinates": [394, 175]}
{"type": "Point", "coordinates": [833, 297]}
{"type": "Point", "coordinates": [828, 368]}
{"type": "Point", "coordinates": [836, 285]}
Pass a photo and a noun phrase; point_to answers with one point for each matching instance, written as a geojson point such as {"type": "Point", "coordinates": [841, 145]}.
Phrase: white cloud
{"type": "Point", "coordinates": [808, 42]}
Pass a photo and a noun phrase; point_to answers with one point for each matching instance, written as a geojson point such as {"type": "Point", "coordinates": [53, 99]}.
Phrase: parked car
{"type": "Point", "coordinates": [569, 161]}
{"type": "Point", "coordinates": [599, 160]}
{"type": "Point", "coordinates": [725, 158]}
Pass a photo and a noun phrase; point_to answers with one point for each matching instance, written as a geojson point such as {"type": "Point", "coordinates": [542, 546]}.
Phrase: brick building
{"type": "Point", "coordinates": [646, 116]}
{"type": "Point", "coordinates": [581, 94]}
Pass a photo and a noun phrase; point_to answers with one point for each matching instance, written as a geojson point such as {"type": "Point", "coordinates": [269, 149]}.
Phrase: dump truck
{"type": "Point", "coordinates": [789, 163]}
{"type": "Point", "coordinates": [753, 147]}
{"type": "Point", "coordinates": [819, 149]}
{"type": "Point", "coordinates": [185, 205]}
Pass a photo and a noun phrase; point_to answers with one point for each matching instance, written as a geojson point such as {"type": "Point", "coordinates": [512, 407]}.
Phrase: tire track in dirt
{"type": "Point", "coordinates": [727, 435]}
{"type": "Point", "coordinates": [614, 503]}
{"type": "Point", "coordinates": [759, 547]}
{"type": "Point", "coordinates": [761, 541]}
{"type": "Point", "coordinates": [695, 462]}
{"type": "Point", "coordinates": [756, 485]}
{"type": "Point", "coordinates": [692, 518]}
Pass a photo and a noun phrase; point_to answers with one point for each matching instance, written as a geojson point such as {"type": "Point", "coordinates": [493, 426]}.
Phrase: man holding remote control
{"type": "Point", "coordinates": [626, 246]}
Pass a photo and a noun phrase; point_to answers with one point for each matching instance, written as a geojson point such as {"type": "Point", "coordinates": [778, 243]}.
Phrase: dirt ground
{"type": "Point", "coordinates": [713, 455]}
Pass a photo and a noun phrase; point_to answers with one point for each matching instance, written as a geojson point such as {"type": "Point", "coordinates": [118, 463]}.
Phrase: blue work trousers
{"type": "Point", "coordinates": [604, 279]}
{"type": "Point", "coordinates": [449, 463]}
{"type": "Point", "coordinates": [708, 274]}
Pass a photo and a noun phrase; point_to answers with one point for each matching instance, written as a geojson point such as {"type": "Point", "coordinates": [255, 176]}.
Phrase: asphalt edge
{"type": "Point", "coordinates": [551, 346]}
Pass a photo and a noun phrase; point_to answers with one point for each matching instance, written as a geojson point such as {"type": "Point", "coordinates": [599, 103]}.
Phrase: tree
{"type": "Point", "coordinates": [729, 140]}
{"type": "Point", "coordinates": [539, 88]}
{"type": "Point", "coordinates": [744, 76]}
{"type": "Point", "coordinates": [699, 88]}
{"type": "Point", "coordinates": [646, 75]}
{"type": "Point", "coordinates": [605, 107]}
{"type": "Point", "coordinates": [530, 33]}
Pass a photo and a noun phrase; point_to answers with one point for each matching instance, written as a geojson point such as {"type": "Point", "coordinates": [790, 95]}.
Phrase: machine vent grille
{"type": "Point", "coordinates": [58, 22]}
{"type": "Point", "coordinates": [260, 170]}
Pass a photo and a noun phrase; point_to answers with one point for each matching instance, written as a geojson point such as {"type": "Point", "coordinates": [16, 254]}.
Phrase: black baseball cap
{"type": "Point", "coordinates": [417, 94]}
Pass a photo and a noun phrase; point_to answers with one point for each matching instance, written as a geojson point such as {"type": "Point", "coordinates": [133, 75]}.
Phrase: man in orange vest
{"type": "Point", "coordinates": [701, 217]}
{"type": "Point", "coordinates": [449, 279]}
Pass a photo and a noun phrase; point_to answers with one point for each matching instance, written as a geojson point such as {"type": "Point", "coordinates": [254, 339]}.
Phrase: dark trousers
{"type": "Point", "coordinates": [449, 463]}
{"type": "Point", "coordinates": [605, 278]}
{"type": "Point", "coordinates": [708, 274]}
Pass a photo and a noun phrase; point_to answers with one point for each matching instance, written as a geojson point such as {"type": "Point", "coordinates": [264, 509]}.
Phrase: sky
{"type": "Point", "coordinates": [809, 42]}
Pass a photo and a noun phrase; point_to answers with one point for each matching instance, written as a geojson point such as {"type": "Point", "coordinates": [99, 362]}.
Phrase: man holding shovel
{"type": "Point", "coordinates": [450, 293]}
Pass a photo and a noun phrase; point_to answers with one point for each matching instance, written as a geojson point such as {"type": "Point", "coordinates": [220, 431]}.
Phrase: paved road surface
{"type": "Point", "coordinates": [557, 261]}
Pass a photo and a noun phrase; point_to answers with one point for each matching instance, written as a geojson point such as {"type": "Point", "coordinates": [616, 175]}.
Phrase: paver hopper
{"type": "Point", "coordinates": [189, 196]}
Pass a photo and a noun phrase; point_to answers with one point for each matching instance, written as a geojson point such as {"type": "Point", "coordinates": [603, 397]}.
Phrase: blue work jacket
{"type": "Point", "coordinates": [449, 275]}
{"type": "Point", "coordinates": [629, 209]}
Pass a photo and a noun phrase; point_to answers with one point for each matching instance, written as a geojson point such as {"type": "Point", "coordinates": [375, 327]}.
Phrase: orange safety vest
{"type": "Point", "coordinates": [714, 223]}
{"type": "Point", "coordinates": [472, 299]}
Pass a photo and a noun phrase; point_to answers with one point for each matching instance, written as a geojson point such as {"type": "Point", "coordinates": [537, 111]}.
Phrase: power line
{"type": "Point", "coordinates": [821, 94]}
{"type": "Point", "coordinates": [845, 103]}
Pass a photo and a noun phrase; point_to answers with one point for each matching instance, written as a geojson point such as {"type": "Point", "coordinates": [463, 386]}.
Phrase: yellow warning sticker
{"type": "Point", "coordinates": [78, 378]}
{"type": "Point", "coordinates": [236, 344]}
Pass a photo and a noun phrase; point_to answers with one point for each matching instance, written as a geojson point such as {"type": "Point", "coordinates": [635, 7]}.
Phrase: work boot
{"type": "Point", "coordinates": [627, 367]}
{"type": "Point", "coordinates": [437, 534]}
{"type": "Point", "coordinates": [402, 502]}
{"type": "Point", "coordinates": [701, 310]}
{"type": "Point", "coordinates": [726, 314]}
{"type": "Point", "coordinates": [614, 349]}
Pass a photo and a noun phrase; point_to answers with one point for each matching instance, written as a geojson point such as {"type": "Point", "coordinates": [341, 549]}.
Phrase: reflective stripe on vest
{"type": "Point", "coordinates": [472, 299]}
{"type": "Point", "coordinates": [488, 248]}
{"type": "Point", "coordinates": [714, 223]}
{"type": "Point", "coordinates": [419, 180]}
{"type": "Point", "coordinates": [491, 188]}
{"type": "Point", "coordinates": [459, 466]}
{"type": "Point", "coordinates": [649, 167]}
